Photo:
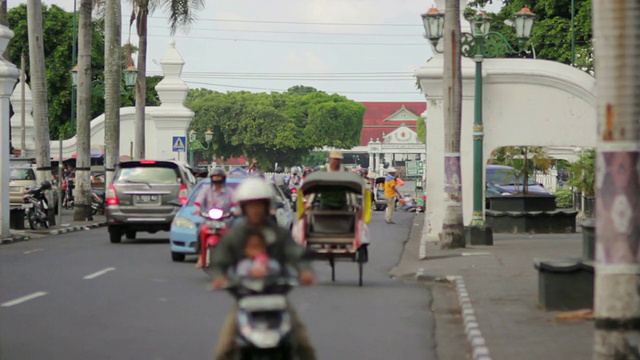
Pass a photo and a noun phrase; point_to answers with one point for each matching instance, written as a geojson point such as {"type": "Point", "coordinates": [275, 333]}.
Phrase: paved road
{"type": "Point", "coordinates": [93, 299]}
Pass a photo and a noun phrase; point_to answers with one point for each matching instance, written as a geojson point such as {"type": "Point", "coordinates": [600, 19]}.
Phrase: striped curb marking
{"type": "Point", "coordinates": [65, 230]}
{"type": "Point", "coordinates": [476, 340]}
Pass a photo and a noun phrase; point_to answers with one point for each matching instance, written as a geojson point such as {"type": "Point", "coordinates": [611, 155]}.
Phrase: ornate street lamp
{"type": "Point", "coordinates": [482, 43]}
{"type": "Point", "coordinates": [524, 24]}
{"type": "Point", "coordinates": [130, 76]}
{"type": "Point", "coordinates": [74, 75]}
{"type": "Point", "coordinates": [433, 21]}
{"type": "Point", "coordinates": [193, 142]}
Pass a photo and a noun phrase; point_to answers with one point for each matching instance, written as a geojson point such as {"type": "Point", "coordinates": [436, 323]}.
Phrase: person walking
{"type": "Point", "coordinates": [390, 193]}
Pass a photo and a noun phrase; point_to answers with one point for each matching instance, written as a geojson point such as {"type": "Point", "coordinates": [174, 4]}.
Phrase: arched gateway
{"type": "Point", "coordinates": [527, 102]}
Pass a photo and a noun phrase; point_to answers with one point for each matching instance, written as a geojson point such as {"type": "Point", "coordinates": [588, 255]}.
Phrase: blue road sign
{"type": "Point", "coordinates": [179, 144]}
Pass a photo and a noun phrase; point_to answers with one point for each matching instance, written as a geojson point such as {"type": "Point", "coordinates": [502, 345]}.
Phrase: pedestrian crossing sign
{"type": "Point", "coordinates": [179, 143]}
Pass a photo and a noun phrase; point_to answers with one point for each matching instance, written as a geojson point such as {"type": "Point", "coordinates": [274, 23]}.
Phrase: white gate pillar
{"type": "Point", "coordinates": [8, 76]}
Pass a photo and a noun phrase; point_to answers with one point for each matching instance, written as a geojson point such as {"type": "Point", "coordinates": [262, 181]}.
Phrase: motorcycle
{"type": "Point", "coordinates": [36, 206]}
{"type": "Point", "coordinates": [264, 324]}
{"type": "Point", "coordinates": [215, 225]}
{"type": "Point", "coordinates": [97, 201]}
{"type": "Point", "coordinates": [293, 195]}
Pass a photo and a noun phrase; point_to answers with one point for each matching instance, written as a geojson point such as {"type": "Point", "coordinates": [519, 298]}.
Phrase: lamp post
{"type": "Point", "coordinates": [481, 44]}
{"type": "Point", "coordinates": [193, 141]}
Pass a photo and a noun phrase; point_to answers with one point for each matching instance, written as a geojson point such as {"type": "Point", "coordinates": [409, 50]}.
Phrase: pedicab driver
{"type": "Point", "coordinates": [254, 197]}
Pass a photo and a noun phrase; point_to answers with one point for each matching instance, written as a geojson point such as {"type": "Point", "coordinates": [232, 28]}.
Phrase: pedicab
{"type": "Point", "coordinates": [332, 214]}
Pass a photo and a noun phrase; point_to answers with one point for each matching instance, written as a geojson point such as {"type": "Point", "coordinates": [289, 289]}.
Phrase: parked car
{"type": "Point", "coordinates": [143, 196]}
{"type": "Point", "coordinates": [502, 181]}
{"type": "Point", "coordinates": [21, 180]}
{"type": "Point", "coordinates": [183, 235]}
{"type": "Point", "coordinates": [379, 200]}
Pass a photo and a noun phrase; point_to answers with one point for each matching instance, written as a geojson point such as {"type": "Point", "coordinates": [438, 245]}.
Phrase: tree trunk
{"type": "Point", "coordinates": [617, 286]}
{"type": "Point", "coordinates": [452, 227]}
{"type": "Point", "coordinates": [112, 79]}
{"type": "Point", "coordinates": [39, 92]}
{"type": "Point", "coordinates": [82, 209]}
{"type": "Point", "coordinates": [141, 84]}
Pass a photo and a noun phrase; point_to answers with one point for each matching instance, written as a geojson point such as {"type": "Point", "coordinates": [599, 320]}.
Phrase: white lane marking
{"type": "Point", "coordinates": [32, 251]}
{"type": "Point", "coordinates": [26, 298]}
{"type": "Point", "coordinates": [98, 273]}
{"type": "Point", "coordinates": [475, 253]}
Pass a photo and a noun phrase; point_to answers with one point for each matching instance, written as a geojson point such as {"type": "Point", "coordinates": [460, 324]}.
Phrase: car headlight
{"type": "Point", "coordinates": [183, 222]}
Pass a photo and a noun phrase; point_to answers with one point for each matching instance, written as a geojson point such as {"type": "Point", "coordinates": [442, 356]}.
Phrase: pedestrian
{"type": "Point", "coordinates": [390, 193]}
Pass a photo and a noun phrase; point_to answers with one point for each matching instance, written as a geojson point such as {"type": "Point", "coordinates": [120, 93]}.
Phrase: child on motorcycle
{"type": "Point", "coordinates": [257, 263]}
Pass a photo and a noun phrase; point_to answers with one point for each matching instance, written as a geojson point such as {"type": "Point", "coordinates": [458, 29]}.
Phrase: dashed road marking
{"type": "Point", "coordinates": [98, 273]}
{"type": "Point", "coordinates": [475, 253]}
{"type": "Point", "coordinates": [32, 251]}
{"type": "Point", "coordinates": [25, 298]}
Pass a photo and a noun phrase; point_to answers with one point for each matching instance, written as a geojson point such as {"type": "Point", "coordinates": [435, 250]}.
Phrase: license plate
{"type": "Point", "coordinates": [146, 198]}
{"type": "Point", "coordinates": [27, 206]}
{"type": "Point", "coordinates": [216, 224]}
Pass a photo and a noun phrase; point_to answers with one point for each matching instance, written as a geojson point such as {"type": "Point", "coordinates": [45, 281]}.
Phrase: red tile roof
{"type": "Point", "coordinates": [373, 121]}
{"type": "Point", "coordinates": [233, 161]}
{"type": "Point", "coordinates": [378, 111]}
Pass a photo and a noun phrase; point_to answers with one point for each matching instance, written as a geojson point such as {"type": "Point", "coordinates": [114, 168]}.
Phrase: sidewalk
{"type": "Point", "coordinates": [502, 286]}
{"type": "Point", "coordinates": [68, 225]}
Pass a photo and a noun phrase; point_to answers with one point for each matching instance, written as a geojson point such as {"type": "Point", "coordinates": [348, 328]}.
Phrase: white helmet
{"type": "Point", "coordinates": [253, 189]}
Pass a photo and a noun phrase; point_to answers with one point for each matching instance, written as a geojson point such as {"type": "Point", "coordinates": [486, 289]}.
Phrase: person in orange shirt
{"type": "Point", "coordinates": [390, 193]}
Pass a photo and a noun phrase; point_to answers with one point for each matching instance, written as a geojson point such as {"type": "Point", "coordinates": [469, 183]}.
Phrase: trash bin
{"type": "Point", "coordinates": [16, 218]}
{"type": "Point", "coordinates": [565, 284]}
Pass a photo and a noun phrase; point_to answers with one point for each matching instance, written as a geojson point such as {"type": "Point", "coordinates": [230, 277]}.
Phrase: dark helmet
{"type": "Point", "coordinates": [279, 170]}
{"type": "Point", "coordinates": [46, 185]}
{"type": "Point", "coordinates": [218, 172]}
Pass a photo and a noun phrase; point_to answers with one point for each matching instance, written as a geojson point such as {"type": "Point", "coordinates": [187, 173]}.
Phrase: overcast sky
{"type": "Point", "coordinates": [272, 45]}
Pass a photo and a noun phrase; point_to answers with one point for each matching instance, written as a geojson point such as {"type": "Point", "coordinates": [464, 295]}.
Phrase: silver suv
{"type": "Point", "coordinates": [145, 196]}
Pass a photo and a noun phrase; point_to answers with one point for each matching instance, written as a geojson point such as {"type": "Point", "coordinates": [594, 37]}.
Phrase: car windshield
{"type": "Point", "coordinates": [147, 174]}
{"type": "Point", "coordinates": [505, 177]}
{"type": "Point", "coordinates": [230, 185]}
{"type": "Point", "coordinates": [22, 174]}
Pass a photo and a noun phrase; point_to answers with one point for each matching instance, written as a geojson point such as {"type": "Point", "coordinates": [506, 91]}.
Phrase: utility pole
{"type": "Point", "coordinates": [452, 227]}
{"type": "Point", "coordinates": [39, 90]}
{"type": "Point", "coordinates": [617, 275]}
{"type": "Point", "coordinates": [82, 209]}
{"type": "Point", "coordinates": [141, 83]}
{"type": "Point", "coordinates": [112, 77]}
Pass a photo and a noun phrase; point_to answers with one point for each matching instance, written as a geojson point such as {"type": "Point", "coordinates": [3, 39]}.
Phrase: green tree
{"type": "Point", "coordinates": [58, 38]}
{"type": "Point", "coordinates": [276, 127]}
{"type": "Point", "coordinates": [524, 159]}
{"type": "Point", "coordinates": [583, 173]}
{"type": "Point", "coordinates": [551, 36]}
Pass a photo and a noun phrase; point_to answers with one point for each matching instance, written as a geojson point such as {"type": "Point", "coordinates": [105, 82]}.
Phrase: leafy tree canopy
{"type": "Point", "coordinates": [276, 127]}
{"type": "Point", "coordinates": [58, 43]}
{"type": "Point", "coordinates": [551, 37]}
{"type": "Point", "coordinates": [421, 129]}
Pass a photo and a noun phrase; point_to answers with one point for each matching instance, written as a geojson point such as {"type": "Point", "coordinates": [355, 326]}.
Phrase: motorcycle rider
{"type": "Point", "coordinates": [279, 179]}
{"type": "Point", "coordinates": [254, 197]}
{"type": "Point", "coordinates": [214, 196]}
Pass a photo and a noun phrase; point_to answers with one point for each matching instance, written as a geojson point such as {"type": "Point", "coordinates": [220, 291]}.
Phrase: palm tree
{"type": "Point", "coordinates": [181, 12]}
{"type": "Point", "coordinates": [39, 89]}
{"type": "Point", "coordinates": [452, 226]}
{"type": "Point", "coordinates": [82, 209]}
{"type": "Point", "coordinates": [112, 80]}
{"type": "Point", "coordinates": [617, 276]}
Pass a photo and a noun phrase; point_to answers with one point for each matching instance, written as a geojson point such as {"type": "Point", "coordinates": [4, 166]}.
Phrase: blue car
{"type": "Point", "coordinates": [502, 181]}
{"type": "Point", "coordinates": [183, 235]}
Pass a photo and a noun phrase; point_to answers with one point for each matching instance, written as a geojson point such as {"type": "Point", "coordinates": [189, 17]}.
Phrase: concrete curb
{"type": "Point", "coordinates": [477, 342]}
{"type": "Point", "coordinates": [70, 229]}
{"type": "Point", "coordinates": [65, 230]}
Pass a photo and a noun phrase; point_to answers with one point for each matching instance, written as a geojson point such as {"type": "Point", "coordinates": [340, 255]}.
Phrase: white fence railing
{"type": "Point", "coordinates": [548, 180]}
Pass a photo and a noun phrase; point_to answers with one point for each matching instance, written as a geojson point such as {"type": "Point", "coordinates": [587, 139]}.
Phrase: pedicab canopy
{"type": "Point", "coordinates": [320, 181]}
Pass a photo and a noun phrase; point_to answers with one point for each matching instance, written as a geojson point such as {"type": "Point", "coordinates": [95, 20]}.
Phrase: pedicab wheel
{"type": "Point", "coordinates": [31, 217]}
{"type": "Point", "coordinates": [360, 271]}
{"type": "Point", "coordinates": [332, 263]}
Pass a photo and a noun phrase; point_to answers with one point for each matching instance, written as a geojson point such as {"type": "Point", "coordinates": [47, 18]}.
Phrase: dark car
{"type": "Point", "coordinates": [502, 181]}
{"type": "Point", "coordinates": [145, 196]}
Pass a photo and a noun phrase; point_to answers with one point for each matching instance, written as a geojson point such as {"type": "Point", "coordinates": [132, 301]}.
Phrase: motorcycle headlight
{"type": "Point", "coordinates": [180, 221]}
